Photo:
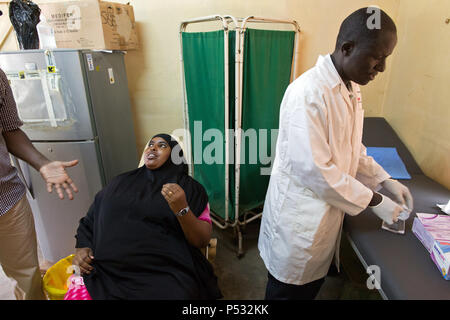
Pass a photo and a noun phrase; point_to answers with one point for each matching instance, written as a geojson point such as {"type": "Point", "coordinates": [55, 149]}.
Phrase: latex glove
{"type": "Point", "coordinates": [387, 210]}
{"type": "Point", "coordinates": [399, 191]}
{"type": "Point", "coordinates": [404, 215]}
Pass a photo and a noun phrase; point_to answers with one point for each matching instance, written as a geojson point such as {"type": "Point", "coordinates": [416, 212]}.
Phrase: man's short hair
{"type": "Point", "coordinates": [358, 27]}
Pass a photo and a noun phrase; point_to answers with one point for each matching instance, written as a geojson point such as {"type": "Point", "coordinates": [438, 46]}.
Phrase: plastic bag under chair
{"type": "Point", "coordinates": [24, 16]}
{"type": "Point", "coordinates": [55, 280]}
{"type": "Point", "coordinates": [77, 289]}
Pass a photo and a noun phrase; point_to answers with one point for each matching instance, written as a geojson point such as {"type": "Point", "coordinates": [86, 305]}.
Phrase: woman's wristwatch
{"type": "Point", "coordinates": [182, 212]}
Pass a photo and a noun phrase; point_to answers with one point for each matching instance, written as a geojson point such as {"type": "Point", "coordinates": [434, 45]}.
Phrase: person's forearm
{"type": "Point", "coordinates": [197, 232]}
{"type": "Point", "coordinates": [20, 146]}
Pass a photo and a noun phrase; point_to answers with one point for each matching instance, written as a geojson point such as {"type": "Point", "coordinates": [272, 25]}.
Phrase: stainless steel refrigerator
{"type": "Point", "coordinates": [74, 104]}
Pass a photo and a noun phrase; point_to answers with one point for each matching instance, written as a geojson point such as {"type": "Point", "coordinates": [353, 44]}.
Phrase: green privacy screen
{"type": "Point", "coordinates": [267, 68]}
{"type": "Point", "coordinates": [267, 71]}
{"type": "Point", "coordinates": [204, 68]}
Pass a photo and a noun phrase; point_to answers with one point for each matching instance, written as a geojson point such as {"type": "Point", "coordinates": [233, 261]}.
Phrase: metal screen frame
{"type": "Point", "coordinates": [240, 29]}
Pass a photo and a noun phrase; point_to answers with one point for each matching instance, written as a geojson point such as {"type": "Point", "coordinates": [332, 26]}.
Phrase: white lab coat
{"type": "Point", "coordinates": [320, 171]}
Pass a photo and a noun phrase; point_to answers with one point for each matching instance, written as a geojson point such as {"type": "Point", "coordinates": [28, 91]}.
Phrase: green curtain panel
{"type": "Point", "coordinates": [267, 67]}
{"type": "Point", "coordinates": [204, 68]}
{"type": "Point", "coordinates": [267, 72]}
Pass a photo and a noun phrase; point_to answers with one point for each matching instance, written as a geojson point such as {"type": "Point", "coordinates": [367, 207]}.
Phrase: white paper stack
{"type": "Point", "coordinates": [445, 207]}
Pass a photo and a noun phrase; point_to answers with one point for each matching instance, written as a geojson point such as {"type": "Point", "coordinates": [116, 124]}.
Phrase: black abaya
{"type": "Point", "coordinates": [139, 248]}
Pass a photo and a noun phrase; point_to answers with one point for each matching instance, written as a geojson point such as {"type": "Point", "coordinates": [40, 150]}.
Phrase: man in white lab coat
{"type": "Point", "coordinates": [321, 170]}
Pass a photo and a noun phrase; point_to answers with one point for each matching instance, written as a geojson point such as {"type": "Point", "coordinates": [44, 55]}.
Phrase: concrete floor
{"type": "Point", "coordinates": [245, 278]}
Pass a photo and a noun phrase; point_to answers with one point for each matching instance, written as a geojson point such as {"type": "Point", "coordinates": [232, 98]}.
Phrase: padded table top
{"type": "Point", "coordinates": [407, 271]}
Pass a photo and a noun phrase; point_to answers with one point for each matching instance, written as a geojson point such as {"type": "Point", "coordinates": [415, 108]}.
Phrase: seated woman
{"type": "Point", "coordinates": [141, 237]}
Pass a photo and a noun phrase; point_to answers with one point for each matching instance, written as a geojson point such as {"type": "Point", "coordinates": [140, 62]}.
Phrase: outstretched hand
{"type": "Point", "coordinates": [54, 174]}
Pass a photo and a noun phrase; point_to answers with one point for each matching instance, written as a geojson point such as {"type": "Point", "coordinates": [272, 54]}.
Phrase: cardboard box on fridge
{"type": "Point", "coordinates": [91, 24]}
{"type": "Point", "coordinates": [7, 41]}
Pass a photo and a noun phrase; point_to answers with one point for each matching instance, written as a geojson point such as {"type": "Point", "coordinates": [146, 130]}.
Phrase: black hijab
{"type": "Point", "coordinates": [177, 172]}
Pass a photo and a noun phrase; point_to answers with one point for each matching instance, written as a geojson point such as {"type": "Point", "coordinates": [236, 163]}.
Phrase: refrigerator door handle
{"type": "Point", "coordinates": [28, 184]}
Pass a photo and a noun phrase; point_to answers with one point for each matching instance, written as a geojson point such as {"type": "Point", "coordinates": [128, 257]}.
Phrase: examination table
{"type": "Point", "coordinates": [406, 269]}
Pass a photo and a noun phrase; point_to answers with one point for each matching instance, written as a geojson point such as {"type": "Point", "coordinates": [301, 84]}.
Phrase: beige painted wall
{"type": "Point", "coordinates": [412, 94]}
{"type": "Point", "coordinates": [154, 70]}
{"type": "Point", "coordinates": [417, 102]}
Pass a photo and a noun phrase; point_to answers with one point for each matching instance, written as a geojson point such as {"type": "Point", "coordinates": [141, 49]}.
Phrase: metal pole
{"type": "Point", "coordinates": [227, 122]}
{"type": "Point", "coordinates": [185, 113]}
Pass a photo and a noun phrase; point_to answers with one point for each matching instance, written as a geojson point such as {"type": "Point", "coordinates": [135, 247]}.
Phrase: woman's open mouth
{"type": "Point", "coordinates": [373, 75]}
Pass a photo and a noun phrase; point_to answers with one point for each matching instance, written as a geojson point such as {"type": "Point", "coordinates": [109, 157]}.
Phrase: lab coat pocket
{"type": "Point", "coordinates": [306, 212]}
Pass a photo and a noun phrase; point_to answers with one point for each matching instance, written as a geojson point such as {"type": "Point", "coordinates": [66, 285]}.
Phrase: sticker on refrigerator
{"type": "Point", "coordinates": [54, 82]}
{"type": "Point", "coordinates": [111, 76]}
{"type": "Point", "coordinates": [30, 66]}
{"type": "Point", "coordinates": [50, 60]}
{"type": "Point", "coordinates": [23, 75]}
{"type": "Point", "coordinates": [12, 75]}
{"type": "Point", "coordinates": [90, 62]}
{"type": "Point", "coordinates": [32, 75]}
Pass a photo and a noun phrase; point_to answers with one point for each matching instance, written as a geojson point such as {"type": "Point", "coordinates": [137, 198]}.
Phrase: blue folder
{"type": "Point", "coordinates": [389, 159]}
